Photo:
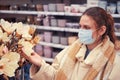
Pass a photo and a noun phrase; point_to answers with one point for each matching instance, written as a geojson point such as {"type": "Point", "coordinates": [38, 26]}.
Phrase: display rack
{"type": "Point", "coordinates": [61, 29]}
{"type": "Point", "coordinates": [117, 34]}
{"type": "Point", "coordinates": [47, 13]}
{"type": "Point", "coordinates": [53, 45]}
{"type": "Point", "coordinates": [55, 28]}
{"type": "Point", "coordinates": [50, 28]}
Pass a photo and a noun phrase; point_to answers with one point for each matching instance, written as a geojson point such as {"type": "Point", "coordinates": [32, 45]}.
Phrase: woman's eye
{"type": "Point", "coordinates": [86, 27]}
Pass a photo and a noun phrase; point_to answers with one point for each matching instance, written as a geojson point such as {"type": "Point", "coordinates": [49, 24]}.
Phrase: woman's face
{"type": "Point", "coordinates": [87, 22]}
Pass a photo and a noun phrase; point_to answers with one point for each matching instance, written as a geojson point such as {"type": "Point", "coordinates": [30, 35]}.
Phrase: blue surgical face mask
{"type": "Point", "coordinates": [85, 36]}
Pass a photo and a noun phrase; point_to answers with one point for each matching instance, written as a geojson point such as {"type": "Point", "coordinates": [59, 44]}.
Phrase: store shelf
{"type": "Point", "coordinates": [61, 29]}
{"type": "Point", "coordinates": [39, 12]}
{"type": "Point", "coordinates": [48, 59]}
{"type": "Point", "coordinates": [53, 45]}
{"type": "Point", "coordinates": [58, 46]}
{"type": "Point", "coordinates": [47, 13]}
{"type": "Point", "coordinates": [117, 34]}
{"type": "Point", "coordinates": [72, 14]}
{"type": "Point", "coordinates": [31, 12]}
{"type": "Point", "coordinates": [55, 28]}
{"type": "Point", "coordinates": [55, 13]}
{"type": "Point", "coordinates": [71, 30]}
{"type": "Point", "coordinates": [116, 15]}
{"type": "Point", "coordinates": [18, 12]}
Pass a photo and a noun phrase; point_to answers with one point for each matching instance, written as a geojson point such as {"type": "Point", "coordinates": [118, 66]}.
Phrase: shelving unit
{"type": "Point", "coordinates": [62, 29]}
{"type": "Point", "coordinates": [52, 13]}
{"type": "Point", "coordinates": [48, 59]}
{"type": "Point", "coordinates": [117, 34]}
{"type": "Point", "coordinates": [20, 14]}
{"type": "Point", "coordinates": [46, 13]}
{"type": "Point", "coordinates": [55, 28]}
{"type": "Point", "coordinates": [51, 28]}
{"type": "Point", "coordinates": [53, 45]}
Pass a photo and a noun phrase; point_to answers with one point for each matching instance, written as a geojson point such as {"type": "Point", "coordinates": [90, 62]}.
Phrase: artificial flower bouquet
{"type": "Point", "coordinates": [14, 37]}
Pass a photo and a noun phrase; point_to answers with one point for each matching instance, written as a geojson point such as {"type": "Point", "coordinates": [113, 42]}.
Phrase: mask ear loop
{"type": "Point", "coordinates": [97, 35]}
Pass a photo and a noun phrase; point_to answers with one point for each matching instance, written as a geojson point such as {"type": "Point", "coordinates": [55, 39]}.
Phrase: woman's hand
{"type": "Point", "coordinates": [5, 49]}
{"type": "Point", "coordinates": [34, 58]}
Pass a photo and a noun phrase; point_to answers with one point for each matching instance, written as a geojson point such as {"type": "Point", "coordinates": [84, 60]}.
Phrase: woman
{"type": "Point", "coordinates": [92, 57]}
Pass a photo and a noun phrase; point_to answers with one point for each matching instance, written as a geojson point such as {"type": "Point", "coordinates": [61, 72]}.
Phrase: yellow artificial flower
{"type": "Point", "coordinates": [9, 63]}
{"type": "Point", "coordinates": [27, 46]}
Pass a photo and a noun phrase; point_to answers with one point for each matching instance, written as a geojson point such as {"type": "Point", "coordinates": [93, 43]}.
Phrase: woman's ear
{"type": "Point", "coordinates": [102, 30]}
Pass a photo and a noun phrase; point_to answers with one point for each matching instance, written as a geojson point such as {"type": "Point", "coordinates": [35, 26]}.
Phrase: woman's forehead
{"type": "Point", "coordinates": [87, 20]}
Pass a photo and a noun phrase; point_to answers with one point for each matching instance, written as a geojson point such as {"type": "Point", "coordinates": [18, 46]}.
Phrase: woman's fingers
{"type": "Point", "coordinates": [23, 54]}
{"type": "Point", "coordinates": [5, 49]}
{"type": "Point", "coordinates": [33, 58]}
